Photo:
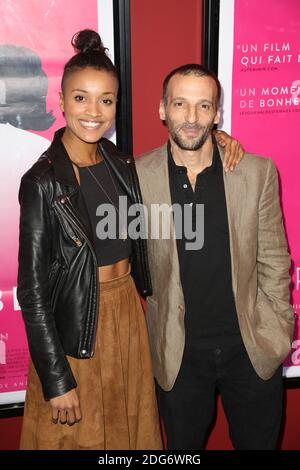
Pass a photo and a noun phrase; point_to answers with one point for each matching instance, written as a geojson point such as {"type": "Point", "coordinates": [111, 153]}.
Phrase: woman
{"type": "Point", "coordinates": [91, 369]}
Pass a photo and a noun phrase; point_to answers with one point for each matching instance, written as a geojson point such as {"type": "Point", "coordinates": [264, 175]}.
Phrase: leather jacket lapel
{"type": "Point", "coordinates": [67, 185]}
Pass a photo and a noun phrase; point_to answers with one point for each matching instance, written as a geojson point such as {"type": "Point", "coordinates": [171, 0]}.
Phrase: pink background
{"type": "Point", "coordinates": [261, 129]}
{"type": "Point", "coordinates": [45, 26]}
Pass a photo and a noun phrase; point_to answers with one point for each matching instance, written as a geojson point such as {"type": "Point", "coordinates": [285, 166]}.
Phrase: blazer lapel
{"type": "Point", "coordinates": [236, 195]}
{"type": "Point", "coordinates": [158, 192]}
{"type": "Point", "coordinates": [159, 185]}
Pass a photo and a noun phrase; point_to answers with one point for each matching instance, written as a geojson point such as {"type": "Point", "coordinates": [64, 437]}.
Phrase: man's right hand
{"type": "Point", "coordinates": [66, 408]}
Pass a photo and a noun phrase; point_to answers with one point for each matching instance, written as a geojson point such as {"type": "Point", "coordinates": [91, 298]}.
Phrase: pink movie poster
{"type": "Point", "coordinates": [266, 111]}
{"type": "Point", "coordinates": [34, 45]}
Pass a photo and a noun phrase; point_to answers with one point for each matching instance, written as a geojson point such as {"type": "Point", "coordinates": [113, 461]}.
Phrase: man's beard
{"type": "Point", "coordinates": [189, 144]}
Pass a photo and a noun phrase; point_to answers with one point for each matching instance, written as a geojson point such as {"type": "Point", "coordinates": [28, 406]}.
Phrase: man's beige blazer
{"type": "Point", "coordinates": [259, 259]}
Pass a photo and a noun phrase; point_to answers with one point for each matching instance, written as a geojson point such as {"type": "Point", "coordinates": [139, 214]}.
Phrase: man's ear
{"type": "Point", "coordinates": [162, 110]}
{"type": "Point", "coordinates": [61, 101]}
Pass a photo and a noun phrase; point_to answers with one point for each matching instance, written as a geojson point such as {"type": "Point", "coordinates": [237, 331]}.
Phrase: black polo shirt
{"type": "Point", "coordinates": [211, 317]}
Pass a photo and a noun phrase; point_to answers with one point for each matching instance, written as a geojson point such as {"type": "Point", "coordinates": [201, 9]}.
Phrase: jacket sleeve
{"type": "Point", "coordinates": [273, 257]}
{"type": "Point", "coordinates": [34, 291]}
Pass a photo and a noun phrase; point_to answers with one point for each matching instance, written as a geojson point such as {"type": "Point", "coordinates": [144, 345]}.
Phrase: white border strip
{"type": "Point", "coordinates": [106, 25]}
{"type": "Point", "coordinates": [106, 31]}
{"type": "Point", "coordinates": [291, 371]}
{"type": "Point", "coordinates": [7, 398]}
{"type": "Point", "coordinates": [226, 30]}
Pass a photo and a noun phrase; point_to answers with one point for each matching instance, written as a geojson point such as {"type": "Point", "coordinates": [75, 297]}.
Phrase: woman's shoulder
{"type": "Point", "coordinates": [41, 170]}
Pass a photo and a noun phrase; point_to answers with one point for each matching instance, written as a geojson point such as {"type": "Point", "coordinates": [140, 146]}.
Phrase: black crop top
{"type": "Point", "coordinates": [101, 192]}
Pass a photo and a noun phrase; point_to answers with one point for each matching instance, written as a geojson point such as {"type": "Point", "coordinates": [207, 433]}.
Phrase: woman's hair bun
{"type": "Point", "coordinates": [87, 41]}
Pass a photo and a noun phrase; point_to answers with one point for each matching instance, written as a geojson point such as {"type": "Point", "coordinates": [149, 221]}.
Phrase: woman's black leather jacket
{"type": "Point", "coordinates": [58, 288]}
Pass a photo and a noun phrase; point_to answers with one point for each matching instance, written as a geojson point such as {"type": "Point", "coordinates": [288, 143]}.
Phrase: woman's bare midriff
{"type": "Point", "coordinates": [113, 271]}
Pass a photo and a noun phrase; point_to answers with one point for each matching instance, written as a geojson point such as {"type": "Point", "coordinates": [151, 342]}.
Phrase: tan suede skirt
{"type": "Point", "coordinates": [115, 388]}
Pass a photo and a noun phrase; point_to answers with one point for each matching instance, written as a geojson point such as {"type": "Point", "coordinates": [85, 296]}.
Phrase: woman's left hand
{"type": "Point", "coordinates": [234, 152]}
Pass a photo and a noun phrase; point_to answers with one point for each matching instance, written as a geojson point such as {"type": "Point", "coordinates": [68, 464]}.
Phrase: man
{"type": "Point", "coordinates": [219, 317]}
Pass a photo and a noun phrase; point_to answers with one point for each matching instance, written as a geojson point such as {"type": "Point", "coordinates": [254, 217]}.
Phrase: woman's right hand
{"type": "Point", "coordinates": [66, 408]}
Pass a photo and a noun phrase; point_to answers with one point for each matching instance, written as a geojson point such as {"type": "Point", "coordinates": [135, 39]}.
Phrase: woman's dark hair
{"type": "Point", "coordinates": [90, 52]}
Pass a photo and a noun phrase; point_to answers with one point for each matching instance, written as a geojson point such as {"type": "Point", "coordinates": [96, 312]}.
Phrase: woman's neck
{"type": "Point", "coordinates": [81, 153]}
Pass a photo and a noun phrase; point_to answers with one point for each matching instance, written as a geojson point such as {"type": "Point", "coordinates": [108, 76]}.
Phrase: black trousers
{"type": "Point", "coordinates": [253, 406]}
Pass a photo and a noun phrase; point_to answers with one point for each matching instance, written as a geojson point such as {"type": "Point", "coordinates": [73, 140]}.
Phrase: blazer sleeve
{"type": "Point", "coordinates": [273, 257]}
{"type": "Point", "coordinates": [33, 291]}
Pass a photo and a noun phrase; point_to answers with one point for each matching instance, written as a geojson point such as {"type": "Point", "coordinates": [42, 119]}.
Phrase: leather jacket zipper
{"type": "Point", "coordinates": [69, 232]}
{"type": "Point", "coordinates": [61, 205]}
